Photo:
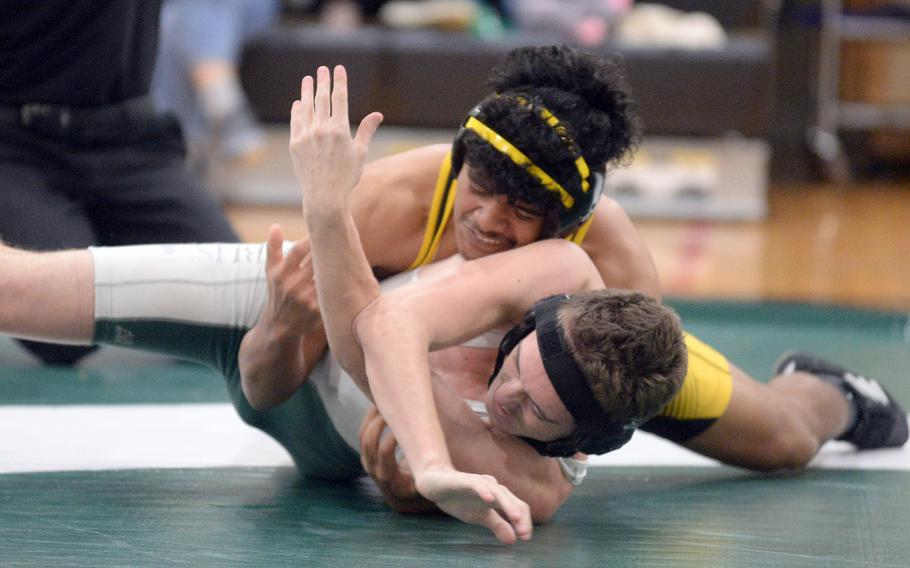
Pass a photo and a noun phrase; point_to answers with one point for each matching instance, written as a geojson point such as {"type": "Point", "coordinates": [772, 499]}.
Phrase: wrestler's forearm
{"type": "Point", "coordinates": [273, 364]}
{"type": "Point", "coordinates": [620, 254]}
{"type": "Point", "coordinates": [47, 296]}
{"type": "Point", "coordinates": [397, 330]}
{"type": "Point", "coordinates": [493, 291]}
{"type": "Point", "coordinates": [345, 283]}
{"type": "Point", "coordinates": [395, 348]}
{"type": "Point", "coordinates": [399, 386]}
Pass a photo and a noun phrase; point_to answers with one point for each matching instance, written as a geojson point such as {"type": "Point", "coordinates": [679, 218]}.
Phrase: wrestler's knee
{"type": "Point", "coordinates": [789, 447]}
{"type": "Point", "coordinates": [780, 442]}
{"type": "Point", "coordinates": [775, 440]}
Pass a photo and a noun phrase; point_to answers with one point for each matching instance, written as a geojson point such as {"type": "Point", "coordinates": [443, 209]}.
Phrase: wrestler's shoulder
{"type": "Point", "coordinates": [612, 230]}
{"type": "Point", "coordinates": [402, 183]}
{"type": "Point", "coordinates": [415, 169]}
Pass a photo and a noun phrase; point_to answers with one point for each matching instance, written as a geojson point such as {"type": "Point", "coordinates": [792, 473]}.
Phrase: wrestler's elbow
{"type": "Point", "coordinates": [576, 269]}
{"type": "Point", "coordinates": [370, 319]}
{"type": "Point", "coordinates": [256, 397]}
{"type": "Point", "coordinates": [386, 317]}
{"type": "Point", "coordinates": [262, 384]}
{"type": "Point", "coordinates": [263, 395]}
{"type": "Point", "coordinates": [251, 382]}
{"type": "Point", "coordinates": [544, 505]}
{"type": "Point", "coordinates": [546, 500]}
{"type": "Point", "coordinates": [648, 284]}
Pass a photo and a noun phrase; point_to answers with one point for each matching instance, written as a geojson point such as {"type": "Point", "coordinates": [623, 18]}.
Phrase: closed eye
{"type": "Point", "coordinates": [526, 214]}
{"type": "Point", "coordinates": [534, 406]}
{"type": "Point", "coordinates": [539, 413]}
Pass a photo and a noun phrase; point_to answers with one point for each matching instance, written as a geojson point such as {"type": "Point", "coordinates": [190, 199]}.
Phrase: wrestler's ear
{"type": "Point", "coordinates": [273, 247]}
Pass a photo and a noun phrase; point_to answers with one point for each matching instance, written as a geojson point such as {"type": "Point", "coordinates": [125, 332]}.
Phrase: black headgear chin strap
{"type": "Point", "coordinates": [595, 432]}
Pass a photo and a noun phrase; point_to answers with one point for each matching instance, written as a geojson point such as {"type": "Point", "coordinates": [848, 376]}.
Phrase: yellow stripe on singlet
{"type": "Point", "coordinates": [707, 388]}
{"type": "Point", "coordinates": [579, 235]}
{"type": "Point", "coordinates": [440, 211]}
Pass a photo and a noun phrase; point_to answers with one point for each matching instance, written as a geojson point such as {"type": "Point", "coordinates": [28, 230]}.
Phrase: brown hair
{"type": "Point", "coordinates": [630, 349]}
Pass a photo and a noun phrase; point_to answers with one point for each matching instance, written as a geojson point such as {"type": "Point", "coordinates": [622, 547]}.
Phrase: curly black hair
{"type": "Point", "coordinates": [586, 93]}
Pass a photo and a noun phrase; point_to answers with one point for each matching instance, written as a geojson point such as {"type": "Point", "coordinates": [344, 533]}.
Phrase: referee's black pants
{"type": "Point", "coordinates": [99, 178]}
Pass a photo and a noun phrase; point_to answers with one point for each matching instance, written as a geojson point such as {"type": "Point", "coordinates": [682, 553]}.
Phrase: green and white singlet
{"type": "Point", "coordinates": [196, 302]}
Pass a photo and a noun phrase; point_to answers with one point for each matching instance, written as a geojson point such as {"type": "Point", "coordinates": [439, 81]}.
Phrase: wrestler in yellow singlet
{"type": "Point", "coordinates": [708, 385]}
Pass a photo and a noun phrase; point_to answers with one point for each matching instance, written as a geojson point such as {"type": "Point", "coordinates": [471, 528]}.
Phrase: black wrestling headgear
{"type": "Point", "coordinates": [595, 432]}
{"type": "Point", "coordinates": [577, 198]}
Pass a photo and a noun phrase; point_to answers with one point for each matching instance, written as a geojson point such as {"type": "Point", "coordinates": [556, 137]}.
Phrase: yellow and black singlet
{"type": "Point", "coordinates": [708, 386]}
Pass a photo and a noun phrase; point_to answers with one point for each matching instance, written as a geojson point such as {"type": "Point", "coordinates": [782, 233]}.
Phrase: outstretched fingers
{"type": "Point", "coordinates": [295, 265]}
{"type": "Point", "coordinates": [273, 247]}
{"type": "Point", "coordinates": [306, 99]}
{"type": "Point", "coordinates": [368, 127]}
{"type": "Point", "coordinates": [480, 500]}
{"type": "Point", "coordinates": [340, 98]}
{"type": "Point", "coordinates": [327, 161]}
{"type": "Point", "coordinates": [297, 254]}
{"type": "Point", "coordinates": [321, 102]}
{"type": "Point", "coordinates": [302, 109]}
{"type": "Point", "coordinates": [501, 529]}
{"type": "Point", "coordinates": [510, 517]}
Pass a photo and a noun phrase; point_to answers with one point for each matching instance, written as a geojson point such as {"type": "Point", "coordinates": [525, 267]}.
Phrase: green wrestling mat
{"type": "Point", "coordinates": [624, 517]}
{"type": "Point", "coordinates": [620, 516]}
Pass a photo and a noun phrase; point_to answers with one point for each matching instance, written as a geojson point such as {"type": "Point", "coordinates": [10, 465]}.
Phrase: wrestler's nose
{"type": "Point", "coordinates": [492, 217]}
{"type": "Point", "coordinates": [511, 395]}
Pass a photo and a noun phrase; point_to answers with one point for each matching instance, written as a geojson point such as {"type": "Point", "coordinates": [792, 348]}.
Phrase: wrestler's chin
{"type": "Point", "coordinates": [471, 245]}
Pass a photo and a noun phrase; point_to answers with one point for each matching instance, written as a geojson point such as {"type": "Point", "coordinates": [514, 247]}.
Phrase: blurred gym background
{"type": "Point", "coordinates": [776, 158]}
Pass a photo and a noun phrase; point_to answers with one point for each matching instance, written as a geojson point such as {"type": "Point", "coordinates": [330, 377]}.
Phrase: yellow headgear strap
{"type": "Point", "coordinates": [583, 170]}
{"type": "Point", "coordinates": [517, 156]}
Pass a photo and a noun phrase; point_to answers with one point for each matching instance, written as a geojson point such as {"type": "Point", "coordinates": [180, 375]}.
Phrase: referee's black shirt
{"type": "Point", "coordinates": [76, 52]}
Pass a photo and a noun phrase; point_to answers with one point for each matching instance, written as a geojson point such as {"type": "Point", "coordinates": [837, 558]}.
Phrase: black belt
{"type": "Point", "coordinates": [64, 120]}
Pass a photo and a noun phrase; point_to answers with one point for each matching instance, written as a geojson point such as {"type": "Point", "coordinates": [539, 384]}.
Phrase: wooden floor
{"type": "Point", "coordinates": [820, 244]}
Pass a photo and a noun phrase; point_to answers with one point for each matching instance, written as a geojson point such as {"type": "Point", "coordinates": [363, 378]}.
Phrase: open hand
{"type": "Point", "coordinates": [377, 455]}
{"type": "Point", "coordinates": [327, 161]}
{"type": "Point", "coordinates": [478, 500]}
{"type": "Point", "coordinates": [292, 306]}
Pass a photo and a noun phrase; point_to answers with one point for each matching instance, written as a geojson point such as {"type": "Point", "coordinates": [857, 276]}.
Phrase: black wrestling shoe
{"type": "Point", "coordinates": [880, 420]}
